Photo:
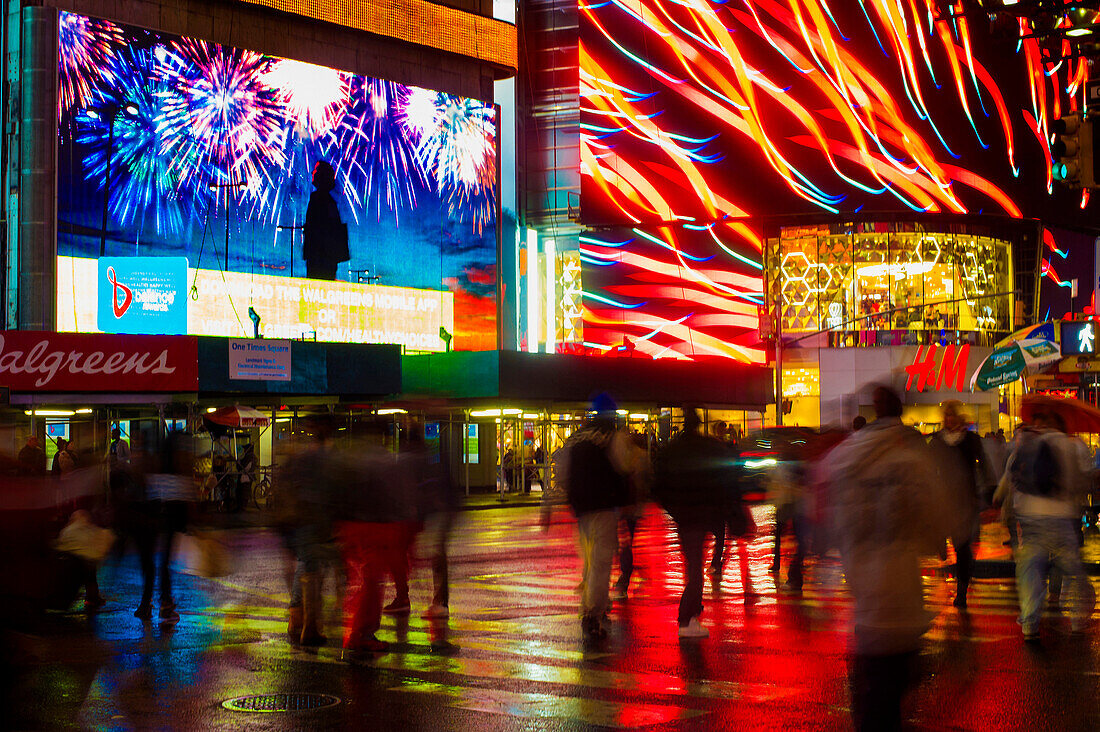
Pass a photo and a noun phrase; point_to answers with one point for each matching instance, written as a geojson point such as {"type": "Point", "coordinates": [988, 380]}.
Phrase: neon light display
{"type": "Point", "coordinates": [199, 148]}
{"type": "Point", "coordinates": [672, 292]}
{"type": "Point", "coordinates": [698, 112]}
{"type": "Point", "coordinates": [705, 111]}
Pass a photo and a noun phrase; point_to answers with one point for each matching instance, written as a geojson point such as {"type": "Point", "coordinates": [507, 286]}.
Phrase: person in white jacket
{"type": "Point", "coordinates": [1046, 499]}
{"type": "Point", "coordinates": [888, 508]}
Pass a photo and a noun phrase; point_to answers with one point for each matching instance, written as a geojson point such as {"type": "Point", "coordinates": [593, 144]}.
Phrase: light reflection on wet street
{"type": "Point", "coordinates": [511, 656]}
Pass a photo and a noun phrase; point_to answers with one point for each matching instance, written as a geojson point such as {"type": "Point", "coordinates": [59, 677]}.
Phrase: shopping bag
{"type": "Point", "coordinates": [82, 538]}
{"type": "Point", "coordinates": [203, 554]}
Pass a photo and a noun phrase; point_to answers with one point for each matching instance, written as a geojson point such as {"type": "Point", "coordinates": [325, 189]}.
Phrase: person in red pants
{"type": "Point", "coordinates": [373, 513]}
{"type": "Point", "coordinates": [367, 547]}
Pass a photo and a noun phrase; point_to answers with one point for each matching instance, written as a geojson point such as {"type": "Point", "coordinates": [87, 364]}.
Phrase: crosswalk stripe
{"type": "Point", "coordinates": [617, 715]}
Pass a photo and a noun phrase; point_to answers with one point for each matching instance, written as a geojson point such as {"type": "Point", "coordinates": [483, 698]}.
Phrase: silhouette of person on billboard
{"type": "Point", "coordinates": [325, 240]}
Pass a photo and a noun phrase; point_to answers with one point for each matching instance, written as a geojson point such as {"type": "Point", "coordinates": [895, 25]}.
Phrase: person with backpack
{"type": "Point", "coordinates": [1046, 484]}
{"type": "Point", "coordinates": [597, 474]}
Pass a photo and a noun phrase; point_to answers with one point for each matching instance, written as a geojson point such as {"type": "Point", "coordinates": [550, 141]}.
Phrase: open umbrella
{"type": "Point", "coordinates": [1079, 416]}
{"type": "Point", "coordinates": [238, 416]}
{"type": "Point", "coordinates": [1010, 362]}
{"type": "Point", "coordinates": [1042, 331]}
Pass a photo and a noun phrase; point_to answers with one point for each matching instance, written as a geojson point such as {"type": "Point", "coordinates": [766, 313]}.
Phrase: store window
{"type": "Point", "coordinates": [886, 285]}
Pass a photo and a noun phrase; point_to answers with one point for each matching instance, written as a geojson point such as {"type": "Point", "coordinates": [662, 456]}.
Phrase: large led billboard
{"type": "Point", "coordinates": [709, 110]}
{"type": "Point", "coordinates": [717, 115]}
{"type": "Point", "coordinates": [185, 173]}
{"type": "Point", "coordinates": [672, 292]}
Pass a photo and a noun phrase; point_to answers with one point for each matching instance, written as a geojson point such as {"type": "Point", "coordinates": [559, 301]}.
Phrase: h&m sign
{"type": "Point", "coordinates": [948, 370]}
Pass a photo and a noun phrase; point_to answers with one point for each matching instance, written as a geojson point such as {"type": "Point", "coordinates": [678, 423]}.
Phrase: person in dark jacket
{"type": "Point", "coordinates": [32, 457]}
{"type": "Point", "coordinates": [325, 239]}
{"type": "Point", "coordinates": [597, 487]}
{"type": "Point", "coordinates": [967, 473]}
{"type": "Point", "coordinates": [691, 477]}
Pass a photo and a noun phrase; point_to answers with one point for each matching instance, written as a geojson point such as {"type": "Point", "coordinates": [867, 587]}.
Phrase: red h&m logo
{"type": "Point", "coordinates": [952, 368]}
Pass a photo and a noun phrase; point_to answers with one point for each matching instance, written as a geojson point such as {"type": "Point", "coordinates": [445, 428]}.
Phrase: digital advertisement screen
{"type": "Point", "coordinates": [672, 292]}
{"type": "Point", "coordinates": [707, 111]}
{"type": "Point", "coordinates": [186, 173]}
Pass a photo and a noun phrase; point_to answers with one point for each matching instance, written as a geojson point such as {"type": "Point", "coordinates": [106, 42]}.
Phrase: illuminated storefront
{"type": "Point", "coordinates": [891, 284]}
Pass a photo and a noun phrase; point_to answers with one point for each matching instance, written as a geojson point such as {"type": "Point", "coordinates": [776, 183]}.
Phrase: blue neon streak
{"type": "Point", "coordinates": [611, 302]}
{"type": "Point", "coordinates": [671, 248]}
{"type": "Point", "coordinates": [868, 17]}
{"type": "Point", "coordinates": [836, 25]}
{"type": "Point", "coordinates": [659, 328]}
{"type": "Point", "coordinates": [601, 243]}
{"type": "Point", "coordinates": [597, 262]}
{"type": "Point", "coordinates": [746, 260]}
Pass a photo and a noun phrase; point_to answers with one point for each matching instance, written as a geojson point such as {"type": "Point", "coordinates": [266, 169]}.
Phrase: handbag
{"type": "Point", "coordinates": [203, 555]}
{"type": "Point", "coordinates": [82, 538]}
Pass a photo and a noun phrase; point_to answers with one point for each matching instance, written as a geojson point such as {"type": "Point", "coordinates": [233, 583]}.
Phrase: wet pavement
{"type": "Point", "coordinates": [511, 657]}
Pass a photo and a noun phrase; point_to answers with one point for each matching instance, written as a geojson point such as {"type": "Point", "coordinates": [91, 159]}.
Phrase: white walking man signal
{"type": "Point", "coordinates": [1085, 339]}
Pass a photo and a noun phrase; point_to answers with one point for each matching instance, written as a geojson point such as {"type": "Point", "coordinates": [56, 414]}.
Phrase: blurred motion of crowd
{"type": "Point", "coordinates": [349, 504]}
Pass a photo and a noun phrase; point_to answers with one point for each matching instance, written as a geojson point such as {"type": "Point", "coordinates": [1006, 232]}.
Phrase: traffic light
{"type": "Point", "coordinates": [1073, 151]}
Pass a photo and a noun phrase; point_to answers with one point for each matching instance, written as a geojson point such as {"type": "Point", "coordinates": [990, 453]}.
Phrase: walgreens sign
{"type": "Point", "coordinates": [86, 362]}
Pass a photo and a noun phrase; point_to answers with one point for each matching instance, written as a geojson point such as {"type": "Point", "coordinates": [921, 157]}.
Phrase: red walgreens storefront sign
{"type": "Point", "coordinates": [44, 361]}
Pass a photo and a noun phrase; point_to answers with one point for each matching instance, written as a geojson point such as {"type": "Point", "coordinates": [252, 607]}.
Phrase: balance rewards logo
{"type": "Point", "coordinates": [144, 295]}
{"type": "Point", "coordinates": [117, 288]}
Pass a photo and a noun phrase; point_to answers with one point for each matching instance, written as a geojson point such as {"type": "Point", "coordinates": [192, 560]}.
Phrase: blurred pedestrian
{"type": "Point", "coordinates": [405, 479]}
{"type": "Point", "coordinates": [307, 483]}
{"type": "Point", "coordinates": [690, 480]}
{"type": "Point", "coordinates": [170, 491]}
{"type": "Point", "coordinates": [886, 513]}
{"type": "Point", "coordinates": [1085, 465]}
{"type": "Point", "coordinates": [597, 486]}
{"type": "Point", "coordinates": [735, 520]}
{"type": "Point", "coordinates": [438, 503]}
{"type": "Point", "coordinates": [787, 492]}
{"type": "Point", "coordinates": [373, 500]}
{"type": "Point", "coordinates": [246, 476]}
{"type": "Point", "coordinates": [33, 457]}
{"type": "Point", "coordinates": [64, 460]}
{"type": "Point", "coordinates": [964, 469]}
{"type": "Point", "coordinates": [118, 451]}
{"type": "Point", "coordinates": [639, 478]}
{"type": "Point", "coordinates": [1047, 485]}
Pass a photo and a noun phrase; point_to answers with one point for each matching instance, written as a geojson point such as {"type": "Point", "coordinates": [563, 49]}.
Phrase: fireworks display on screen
{"type": "Point", "coordinates": [694, 112]}
{"type": "Point", "coordinates": [198, 137]}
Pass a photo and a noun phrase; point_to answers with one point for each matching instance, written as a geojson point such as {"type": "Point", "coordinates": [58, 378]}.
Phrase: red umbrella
{"type": "Point", "coordinates": [238, 416]}
{"type": "Point", "coordinates": [1079, 416]}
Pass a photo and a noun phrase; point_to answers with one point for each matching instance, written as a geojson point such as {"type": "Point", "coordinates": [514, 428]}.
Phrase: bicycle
{"type": "Point", "coordinates": [263, 493]}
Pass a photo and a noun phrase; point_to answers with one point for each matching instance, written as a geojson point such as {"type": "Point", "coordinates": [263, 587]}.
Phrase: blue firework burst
{"type": "Point", "coordinates": [123, 121]}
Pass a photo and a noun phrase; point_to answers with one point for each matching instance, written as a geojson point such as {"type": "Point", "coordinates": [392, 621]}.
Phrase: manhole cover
{"type": "Point", "coordinates": [281, 702]}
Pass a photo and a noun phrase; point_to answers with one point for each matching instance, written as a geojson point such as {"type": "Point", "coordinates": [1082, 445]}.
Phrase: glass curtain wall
{"type": "Point", "coordinates": [890, 285]}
